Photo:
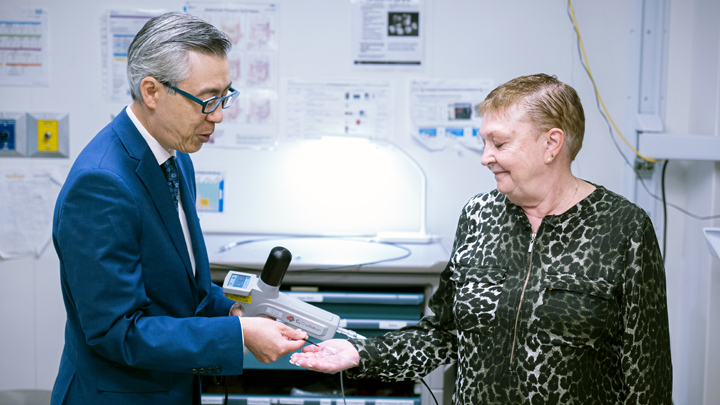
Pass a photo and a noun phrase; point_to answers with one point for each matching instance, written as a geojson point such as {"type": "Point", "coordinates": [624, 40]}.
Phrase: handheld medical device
{"type": "Point", "coordinates": [262, 297]}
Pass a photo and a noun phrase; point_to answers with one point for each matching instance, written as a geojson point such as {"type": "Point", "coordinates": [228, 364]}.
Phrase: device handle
{"type": "Point", "coordinates": [275, 267]}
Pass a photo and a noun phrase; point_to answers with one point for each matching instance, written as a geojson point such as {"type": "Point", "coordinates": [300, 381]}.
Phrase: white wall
{"type": "Point", "coordinates": [693, 276]}
{"type": "Point", "coordinates": [471, 39]}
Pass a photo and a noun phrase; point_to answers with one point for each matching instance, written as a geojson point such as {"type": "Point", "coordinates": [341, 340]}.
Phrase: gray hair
{"type": "Point", "coordinates": [160, 49]}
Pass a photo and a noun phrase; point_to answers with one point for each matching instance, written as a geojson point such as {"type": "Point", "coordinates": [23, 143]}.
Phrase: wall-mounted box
{"type": "Point", "coordinates": [47, 135]}
{"type": "Point", "coordinates": [12, 134]}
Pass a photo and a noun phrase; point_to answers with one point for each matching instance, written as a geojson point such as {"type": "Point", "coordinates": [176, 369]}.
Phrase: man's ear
{"type": "Point", "coordinates": [150, 90]}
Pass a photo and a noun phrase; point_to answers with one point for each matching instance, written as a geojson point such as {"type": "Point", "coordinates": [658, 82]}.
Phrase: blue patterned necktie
{"type": "Point", "coordinates": [170, 171]}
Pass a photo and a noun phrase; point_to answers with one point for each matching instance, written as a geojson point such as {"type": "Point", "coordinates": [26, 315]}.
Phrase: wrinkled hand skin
{"type": "Point", "coordinates": [269, 340]}
{"type": "Point", "coordinates": [322, 360]}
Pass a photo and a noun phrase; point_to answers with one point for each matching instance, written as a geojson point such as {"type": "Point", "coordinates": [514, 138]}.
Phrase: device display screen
{"type": "Point", "coordinates": [238, 281]}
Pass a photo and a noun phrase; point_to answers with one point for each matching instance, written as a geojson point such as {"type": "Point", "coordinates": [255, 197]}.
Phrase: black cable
{"type": "Point", "coordinates": [429, 390]}
{"type": "Point", "coordinates": [226, 392]}
{"type": "Point", "coordinates": [342, 389]}
{"type": "Point", "coordinates": [665, 226]}
{"type": "Point", "coordinates": [610, 131]}
{"type": "Point", "coordinates": [690, 214]}
{"type": "Point", "coordinates": [224, 382]}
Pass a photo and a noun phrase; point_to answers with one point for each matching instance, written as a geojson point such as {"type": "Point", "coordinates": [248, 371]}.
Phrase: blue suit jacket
{"type": "Point", "coordinates": [139, 325]}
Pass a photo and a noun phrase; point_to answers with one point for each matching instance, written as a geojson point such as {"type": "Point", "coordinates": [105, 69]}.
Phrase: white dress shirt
{"type": "Point", "coordinates": [162, 155]}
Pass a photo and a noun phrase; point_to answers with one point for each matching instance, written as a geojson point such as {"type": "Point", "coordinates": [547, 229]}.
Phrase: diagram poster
{"type": "Point", "coordinates": [119, 30]}
{"type": "Point", "coordinates": [443, 111]}
{"type": "Point", "coordinates": [253, 30]}
{"type": "Point", "coordinates": [352, 108]}
{"type": "Point", "coordinates": [387, 33]}
{"type": "Point", "coordinates": [24, 48]}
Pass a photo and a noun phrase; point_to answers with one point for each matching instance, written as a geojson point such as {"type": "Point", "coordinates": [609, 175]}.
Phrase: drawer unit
{"type": "Point", "coordinates": [334, 266]}
{"type": "Point", "coordinates": [368, 313]}
{"type": "Point", "coordinates": [265, 400]}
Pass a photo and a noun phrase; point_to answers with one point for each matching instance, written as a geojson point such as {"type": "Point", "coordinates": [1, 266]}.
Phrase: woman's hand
{"type": "Point", "coordinates": [328, 357]}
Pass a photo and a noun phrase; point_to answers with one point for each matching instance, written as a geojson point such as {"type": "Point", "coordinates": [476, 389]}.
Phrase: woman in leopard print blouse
{"type": "Point", "coordinates": [555, 290]}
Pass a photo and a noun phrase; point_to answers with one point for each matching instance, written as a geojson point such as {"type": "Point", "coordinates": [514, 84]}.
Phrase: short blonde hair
{"type": "Point", "coordinates": [546, 101]}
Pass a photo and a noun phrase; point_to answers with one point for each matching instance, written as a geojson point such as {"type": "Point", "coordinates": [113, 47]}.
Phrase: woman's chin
{"type": "Point", "coordinates": [503, 188]}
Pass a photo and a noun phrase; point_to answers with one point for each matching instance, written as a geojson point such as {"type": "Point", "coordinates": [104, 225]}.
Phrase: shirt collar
{"type": "Point", "coordinates": [161, 154]}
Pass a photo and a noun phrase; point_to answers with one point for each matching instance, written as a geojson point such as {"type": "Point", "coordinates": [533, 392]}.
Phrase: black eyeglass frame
{"type": "Point", "coordinates": [226, 101]}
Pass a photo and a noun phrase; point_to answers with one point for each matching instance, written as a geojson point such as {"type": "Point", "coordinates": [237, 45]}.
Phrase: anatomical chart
{"type": "Point", "coordinates": [252, 28]}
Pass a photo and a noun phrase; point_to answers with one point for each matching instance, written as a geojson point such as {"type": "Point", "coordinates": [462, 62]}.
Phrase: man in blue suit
{"type": "Point", "coordinates": [144, 320]}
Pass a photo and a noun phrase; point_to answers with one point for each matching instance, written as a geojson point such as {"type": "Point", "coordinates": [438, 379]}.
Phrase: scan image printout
{"type": "Point", "coordinates": [387, 33]}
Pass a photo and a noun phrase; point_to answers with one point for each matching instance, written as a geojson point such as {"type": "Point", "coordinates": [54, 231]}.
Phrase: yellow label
{"type": "Point", "coordinates": [204, 202]}
{"type": "Point", "coordinates": [47, 136]}
{"type": "Point", "coordinates": [240, 298]}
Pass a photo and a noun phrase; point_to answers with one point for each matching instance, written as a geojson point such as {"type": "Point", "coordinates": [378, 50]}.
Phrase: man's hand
{"type": "Point", "coordinates": [269, 340]}
{"type": "Point", "coordinates": [236, 310]}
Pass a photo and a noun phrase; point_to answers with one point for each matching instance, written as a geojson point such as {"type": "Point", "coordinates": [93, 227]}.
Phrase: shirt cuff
{"type": "Point", "coordinates": [242, 334]}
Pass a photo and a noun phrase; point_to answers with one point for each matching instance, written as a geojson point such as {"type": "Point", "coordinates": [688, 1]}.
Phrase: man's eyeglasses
{"type": "Point", "coordinates": [212, 103]}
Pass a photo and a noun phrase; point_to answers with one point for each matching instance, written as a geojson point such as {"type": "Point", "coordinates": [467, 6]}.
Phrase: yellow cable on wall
{"type": "Point", "coordinates": [597, 93]}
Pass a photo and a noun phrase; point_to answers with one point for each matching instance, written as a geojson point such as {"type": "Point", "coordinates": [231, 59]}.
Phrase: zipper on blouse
{"type": "Point", "coordinates": [532, 242]}
{"type": "Point", "coordinates": [522, 295]}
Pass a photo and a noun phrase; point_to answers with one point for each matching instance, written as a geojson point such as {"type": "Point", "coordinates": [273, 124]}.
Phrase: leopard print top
{"type": "Point", "coordinates": [576, 316]}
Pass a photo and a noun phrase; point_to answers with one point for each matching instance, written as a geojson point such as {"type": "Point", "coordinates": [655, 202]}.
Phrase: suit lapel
{"type": "Point", "coordinates": [187, 197]}
{"type": "Point", "coordinates": [150, 173]}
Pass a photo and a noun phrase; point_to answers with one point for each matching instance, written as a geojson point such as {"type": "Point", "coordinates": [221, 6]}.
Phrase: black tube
{"type": "Point", "coordinates": [276, 266]}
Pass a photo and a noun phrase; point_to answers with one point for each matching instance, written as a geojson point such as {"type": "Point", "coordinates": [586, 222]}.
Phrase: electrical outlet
{"type": "Point", "coordinates": [47, 135]}
{"type": "Point", "coordinates": [12, 134]}
{"type": "Point", "coordinates": [7, 134]}
{"type": "Point", "coordinates": [644, 168]}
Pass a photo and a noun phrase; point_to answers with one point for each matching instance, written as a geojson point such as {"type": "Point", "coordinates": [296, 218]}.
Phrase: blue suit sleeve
{"type": "Point", "coordinates": [218, 305]}
{"type": "Point", "coordinates": [97, 232]}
